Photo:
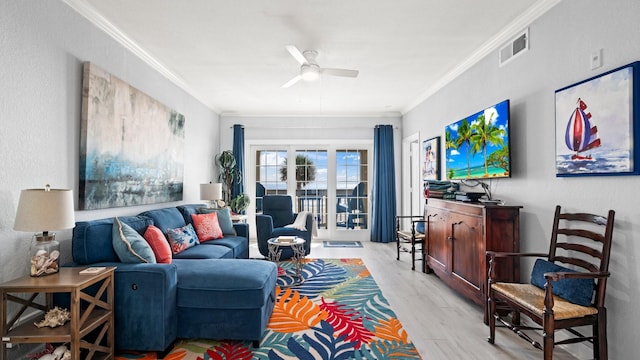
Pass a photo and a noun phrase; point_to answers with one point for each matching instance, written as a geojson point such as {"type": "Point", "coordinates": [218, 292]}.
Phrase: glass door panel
{"type": "Point", "coordinates": [352, 203]}
{"type": "Point", "coordinates": [269, 179]}
{"type": "Point", "coordinates": [311, 184]}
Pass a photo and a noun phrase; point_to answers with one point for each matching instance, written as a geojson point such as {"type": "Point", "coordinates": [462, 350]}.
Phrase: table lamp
{"type": "Point", "coordinates": [40, 211]}
{"type": "Point", "coordinates": [211, 192]}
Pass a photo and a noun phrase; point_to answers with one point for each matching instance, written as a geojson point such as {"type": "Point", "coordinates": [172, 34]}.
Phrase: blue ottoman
{"type": "Point", "coordinates": [225, 298]}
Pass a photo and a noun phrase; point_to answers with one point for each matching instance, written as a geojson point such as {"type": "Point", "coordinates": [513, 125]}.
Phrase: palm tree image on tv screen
{"type": "Point", "coordinates": [477, 147]}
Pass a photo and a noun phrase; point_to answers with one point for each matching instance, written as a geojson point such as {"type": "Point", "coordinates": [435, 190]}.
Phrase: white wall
{"type": "Point", "coordinates": [43, 45]}
{"type": "Point", "coordinates": [561, 44]}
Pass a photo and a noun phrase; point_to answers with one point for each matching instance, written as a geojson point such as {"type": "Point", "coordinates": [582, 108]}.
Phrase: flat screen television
{"type": "Point", "coordinates": [477, 147]}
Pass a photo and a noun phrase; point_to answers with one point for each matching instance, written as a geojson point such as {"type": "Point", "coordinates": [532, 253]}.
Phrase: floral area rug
{"type": "Point", "coordinates": [337, 312]}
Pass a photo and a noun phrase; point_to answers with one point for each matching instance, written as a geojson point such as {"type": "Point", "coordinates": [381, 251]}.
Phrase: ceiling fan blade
{"type": "Point", "coordinates": [340, 72]}
{"type": "Point", "coordinates": [297, 54]}
{"type": "Point", "coordinates": [292, 81]}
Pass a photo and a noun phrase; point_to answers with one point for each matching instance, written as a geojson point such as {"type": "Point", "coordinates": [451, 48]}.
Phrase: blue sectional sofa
{"type": "Point", "coordinates": [211, 290]}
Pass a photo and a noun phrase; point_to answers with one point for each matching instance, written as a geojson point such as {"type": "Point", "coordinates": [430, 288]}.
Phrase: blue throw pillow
{"type": "Point", "coordinates": [130, 246]}
{"type": "Point", "coordinates": [420, 227]}
{"type": "Point", "coordinates": [577, 291]}
{"type": "Point", "coordinates": [224, 219]}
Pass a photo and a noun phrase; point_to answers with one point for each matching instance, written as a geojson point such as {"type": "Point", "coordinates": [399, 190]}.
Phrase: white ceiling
{"type": "Point", "coordinates": [230, 54]}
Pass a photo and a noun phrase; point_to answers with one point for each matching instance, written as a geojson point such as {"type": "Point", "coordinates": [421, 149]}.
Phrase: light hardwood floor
{"type": "Point", "coordinates": [441, 324]}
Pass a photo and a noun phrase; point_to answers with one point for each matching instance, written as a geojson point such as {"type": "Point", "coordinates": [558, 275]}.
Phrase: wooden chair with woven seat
{"type": "Point", "coordinates": [413, 236]}
{"type": "Point", "coordinates": [558, 297]}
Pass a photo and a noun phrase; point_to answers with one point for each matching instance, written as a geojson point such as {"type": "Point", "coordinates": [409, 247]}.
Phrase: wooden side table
{"type": "Point", "coordinates": [90, 314]}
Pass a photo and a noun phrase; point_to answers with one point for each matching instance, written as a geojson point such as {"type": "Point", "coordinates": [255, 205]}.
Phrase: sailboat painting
{"type": "Point", "coordinates": [595, 130]}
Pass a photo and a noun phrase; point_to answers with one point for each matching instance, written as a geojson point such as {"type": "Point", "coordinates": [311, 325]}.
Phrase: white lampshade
{"type": "Point", "coordinates": [44, 210]}
{"type": "Point", "coordinates": [211, 191]}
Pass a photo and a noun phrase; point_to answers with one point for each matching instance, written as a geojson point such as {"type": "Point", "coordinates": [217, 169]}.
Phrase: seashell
{"type": "Point", "coordinates": [47, 357]}
{"type": "Point", "coordinates": [40, 262]}
{"type": "Point", "coordinates": [41, 252]}
{"type": "Point", "coordinates": [59, 351]}
{"type": "Point", "coordinates": [55, 254]}
{"type": "Point", "coordinates": [54, 317]}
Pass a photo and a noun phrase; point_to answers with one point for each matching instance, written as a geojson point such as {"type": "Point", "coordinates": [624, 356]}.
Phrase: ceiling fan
{"type": "Point", "coordinates": [309, 68]}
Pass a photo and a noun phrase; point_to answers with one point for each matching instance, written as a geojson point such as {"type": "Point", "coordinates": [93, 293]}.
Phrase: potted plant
{"type": "Point", "coordinates": [240, 203]}
{"type": "Point", "coordinates": [230, 174]}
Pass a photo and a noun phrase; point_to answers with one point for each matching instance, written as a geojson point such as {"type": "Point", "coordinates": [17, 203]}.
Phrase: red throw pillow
{"type": "Point", "coordinates": [159, 244]}
{"type": "Point", "coordinates": [207, 226]}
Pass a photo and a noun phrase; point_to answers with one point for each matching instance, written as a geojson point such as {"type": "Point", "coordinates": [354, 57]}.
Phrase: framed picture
{"type": "Point", "coordinates": [431, 159]}
{"type": "Point", "coordinates": [131, 145]}
{"type": "Point", "coordinates": [596, 130]}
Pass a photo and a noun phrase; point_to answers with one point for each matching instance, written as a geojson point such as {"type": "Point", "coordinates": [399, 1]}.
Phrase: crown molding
{"type": "Point", "coordinates": [506, 34]}
{"type": "Point", "coordinates": [90, 13]}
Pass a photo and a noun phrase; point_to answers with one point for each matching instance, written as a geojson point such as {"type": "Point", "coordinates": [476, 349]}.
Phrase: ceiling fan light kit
{"type": "Point", "coordinates": [310, 72]}
{"type": "Point", "coordinates": [309, 68]}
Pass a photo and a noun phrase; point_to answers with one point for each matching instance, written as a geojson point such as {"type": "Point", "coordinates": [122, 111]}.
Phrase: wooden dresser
{"type": "Point", "coordinates": [458, 236]}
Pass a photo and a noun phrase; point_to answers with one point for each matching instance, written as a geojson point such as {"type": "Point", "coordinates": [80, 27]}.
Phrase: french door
{"type": "Point", "coordinates": [332, 182]}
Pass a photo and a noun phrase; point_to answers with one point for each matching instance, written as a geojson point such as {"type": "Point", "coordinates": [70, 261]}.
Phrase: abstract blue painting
{"type": "Point", "coordinates": [131, 145]}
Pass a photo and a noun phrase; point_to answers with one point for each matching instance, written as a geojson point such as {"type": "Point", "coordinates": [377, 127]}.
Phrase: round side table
{"type": "Point", "coordinates": [297, 246]}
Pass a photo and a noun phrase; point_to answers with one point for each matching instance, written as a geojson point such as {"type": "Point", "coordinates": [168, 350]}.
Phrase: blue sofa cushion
{"type": "Point", "coordinates": [188, 210]}
{"type": "Point", "coordinates": [225, 284]}
{"type": "Point", "coordinates": [130, 246]}
{"type": "Point", "coordinates": [205, 251]}
{"type": "Point", "coordinates": [577, 291]}
{"type": "Point", "coordinates": [238, 245]}
{"type": "Point", "coordinates": [92, 240]}
{"type": "Point", "coordinates": [166, 218]}
{"type": "Point", "coordinates": [420, 227]}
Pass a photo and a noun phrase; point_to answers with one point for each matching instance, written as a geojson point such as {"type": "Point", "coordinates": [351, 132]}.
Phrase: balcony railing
{"type": "Point", "coordinates": [316, 202]}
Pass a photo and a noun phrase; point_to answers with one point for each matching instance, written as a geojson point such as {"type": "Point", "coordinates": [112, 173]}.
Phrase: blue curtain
{"type": "Point", "coordinates": [238, 153]}
{"type": "Point", "coordinates": [383, 211]}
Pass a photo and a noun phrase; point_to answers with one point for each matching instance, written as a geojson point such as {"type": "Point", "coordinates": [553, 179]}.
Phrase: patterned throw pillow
{"type": "Point", "coordinates": [129, 245]}
{"type": "Point", "coordinates": [224, 219]}
{"type": "Point", "coordinates": [207, 226]}
{"type": "Point", "coordinates": [182, 238]}
{"type": "Point", "coordinates": [159, 244]}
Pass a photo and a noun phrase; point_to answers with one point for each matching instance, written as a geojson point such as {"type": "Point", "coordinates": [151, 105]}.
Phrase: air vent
{"type": "Point", "coordinates": [515, 47]}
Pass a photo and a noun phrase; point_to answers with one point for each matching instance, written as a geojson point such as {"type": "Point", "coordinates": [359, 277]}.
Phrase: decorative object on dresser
{"type": "Point", "coordinates": [458, 236]}
{"type": "Point", "coordinates": [44, 210]}
{"type": "Point", "coordinates": [559, 297]}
